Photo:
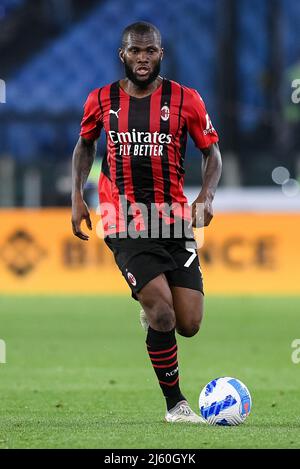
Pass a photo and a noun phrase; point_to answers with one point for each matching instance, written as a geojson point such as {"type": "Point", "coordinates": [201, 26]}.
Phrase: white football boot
{"type": "Point", "coordinates": [143, 320]}
{"type": "Point", "coordinates": [182, 413]}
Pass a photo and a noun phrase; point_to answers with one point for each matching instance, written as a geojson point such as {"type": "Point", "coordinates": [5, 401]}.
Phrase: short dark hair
{"type": "Point", "coordinates": [140, 27]}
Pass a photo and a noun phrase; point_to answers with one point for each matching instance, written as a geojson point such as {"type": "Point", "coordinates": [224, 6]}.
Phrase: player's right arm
{"type": "Point", "coordinates": [82, 161]}
{"type": "Point", "coordinates": [83, 158]}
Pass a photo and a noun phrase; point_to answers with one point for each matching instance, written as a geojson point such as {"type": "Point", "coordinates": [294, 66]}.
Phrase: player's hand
{"type": "Point", "coordinates": [80, 212]}
{"type": "Point", "coordinates": [202, 211]}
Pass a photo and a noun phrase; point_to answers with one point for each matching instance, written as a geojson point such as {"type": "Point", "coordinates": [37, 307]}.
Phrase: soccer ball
{"type": "Point", "coordinates": [225, 401]}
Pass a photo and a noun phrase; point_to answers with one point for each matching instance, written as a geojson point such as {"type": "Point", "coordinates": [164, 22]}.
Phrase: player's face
{"type": "Point", "coordinates": [141, 57]}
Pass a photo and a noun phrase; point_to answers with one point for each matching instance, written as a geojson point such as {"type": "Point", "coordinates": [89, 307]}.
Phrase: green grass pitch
{"type": "Point", "coordinates": [78, 376]}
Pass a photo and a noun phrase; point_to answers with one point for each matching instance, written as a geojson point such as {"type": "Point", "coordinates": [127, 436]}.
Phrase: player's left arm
{"type": "Point", "coordinates": [202, 209]}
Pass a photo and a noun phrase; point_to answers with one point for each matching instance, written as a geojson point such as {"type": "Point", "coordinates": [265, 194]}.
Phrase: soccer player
{"type": "Point", "coordinates": [144, 211]}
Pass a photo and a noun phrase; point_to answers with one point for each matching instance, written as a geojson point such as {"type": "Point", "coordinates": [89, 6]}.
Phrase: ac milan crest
{"type": "Point", "coordinates": [165, 113]}
{"type": "Point", "coordinates": [131, 278]}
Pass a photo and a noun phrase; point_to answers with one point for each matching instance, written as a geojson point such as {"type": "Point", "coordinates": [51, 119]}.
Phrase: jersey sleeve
{"type": "Point", "coordinates": [198, 121]}
{"type": "Point", "coordinates": [91, 123]}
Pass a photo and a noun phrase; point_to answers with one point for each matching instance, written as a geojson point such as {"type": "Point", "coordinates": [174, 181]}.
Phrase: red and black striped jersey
{"type": "Point", "coordinates": [146, 142]}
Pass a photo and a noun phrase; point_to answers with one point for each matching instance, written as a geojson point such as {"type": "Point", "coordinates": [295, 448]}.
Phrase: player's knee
{"type": "Point", "coordinates": [163, 316]}
{"type": "Point", "coordinates": [188, 330]}
{"type": "Point", "coordinates": [190, 327]}
{"type": "Point", "coordinates": [159, 309]}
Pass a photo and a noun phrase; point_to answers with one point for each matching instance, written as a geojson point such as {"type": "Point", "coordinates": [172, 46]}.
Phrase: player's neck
{"type": "Point", "coordinates": [134, 90]}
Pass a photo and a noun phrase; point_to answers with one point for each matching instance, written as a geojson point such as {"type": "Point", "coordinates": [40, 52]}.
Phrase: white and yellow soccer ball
{"type": "Point", "coordinates": [225, 401]}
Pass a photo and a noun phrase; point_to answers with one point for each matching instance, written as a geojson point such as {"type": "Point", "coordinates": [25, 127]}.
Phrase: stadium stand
{"type": "Point", "coordinates": [252, 53]}
{"type": "Point", "coordinates": [58, 79]}
{"type": "Point", "coordinates": [8, 6]}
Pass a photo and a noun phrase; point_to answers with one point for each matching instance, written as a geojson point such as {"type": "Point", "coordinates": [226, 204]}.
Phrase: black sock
{"type": "Point", "coordinates": [162, 349]}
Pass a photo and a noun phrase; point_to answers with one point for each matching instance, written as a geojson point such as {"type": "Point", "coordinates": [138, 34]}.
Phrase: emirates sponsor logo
{"type": "Point", "coordinates": [165, 113]}
{"type": "Point", "coordinates": [134, 136]}
{"type": "Point", "coordinates": [134, 143]}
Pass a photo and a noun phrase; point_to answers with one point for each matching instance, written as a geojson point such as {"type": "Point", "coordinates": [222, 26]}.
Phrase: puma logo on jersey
{"type": "Point", "coordinates": [115, 112]}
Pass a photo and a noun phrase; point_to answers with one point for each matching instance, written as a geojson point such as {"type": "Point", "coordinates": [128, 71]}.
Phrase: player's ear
{"type": "Point", "coordinates": [121, 54]}
{"type": "Point", "coordinates": [161, 53]}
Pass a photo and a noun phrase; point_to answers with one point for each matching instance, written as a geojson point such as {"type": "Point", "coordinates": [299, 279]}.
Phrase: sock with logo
{"type": "Point", "coordinates": [162, 350]}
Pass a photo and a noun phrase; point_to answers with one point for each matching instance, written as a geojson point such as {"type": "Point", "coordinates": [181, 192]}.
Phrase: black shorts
{"type": "Point", "coordinates": [141, 260]}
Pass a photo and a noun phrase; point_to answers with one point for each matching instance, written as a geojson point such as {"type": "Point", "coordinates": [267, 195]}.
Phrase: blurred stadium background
{"type": "Point", "coordinates": [243, 56]}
